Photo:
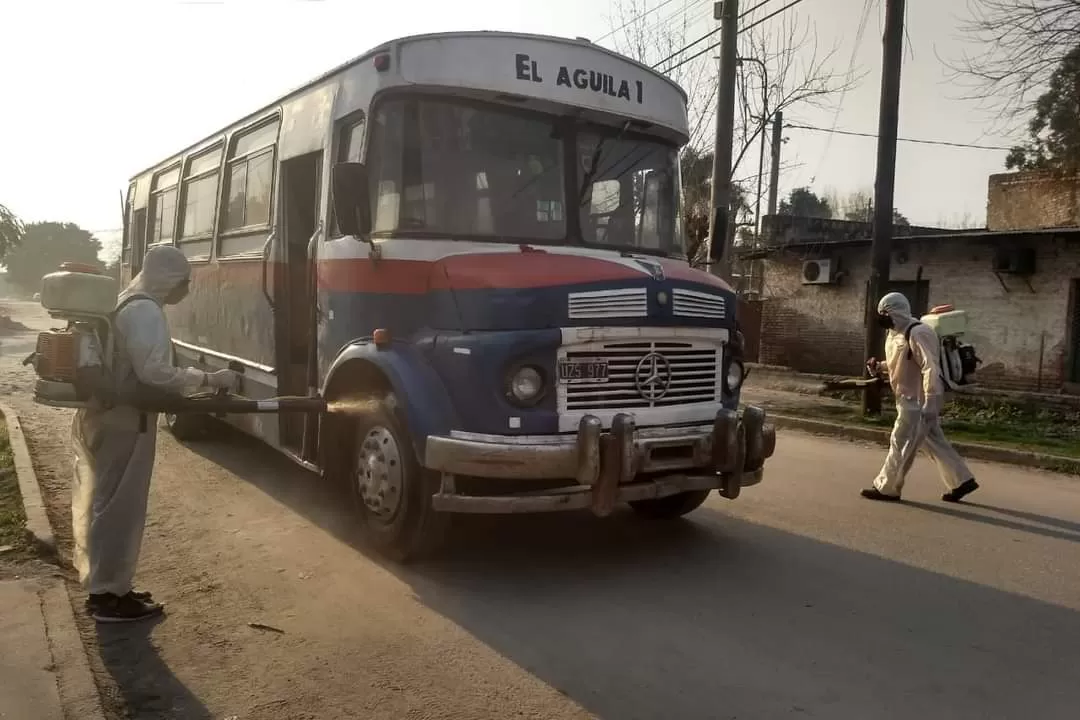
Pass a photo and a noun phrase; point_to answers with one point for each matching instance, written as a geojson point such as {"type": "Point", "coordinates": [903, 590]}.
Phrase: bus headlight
{"type": "Point", "coordinates": [526, 384]}
{"type": "Point", "coordinates": [734, 377]}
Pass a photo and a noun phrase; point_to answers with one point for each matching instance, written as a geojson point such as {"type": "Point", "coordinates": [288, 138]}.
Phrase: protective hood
{"type": "Point", "coordinates": [898, 308]}
{"type": "Point", "coordinates": [164, 269]}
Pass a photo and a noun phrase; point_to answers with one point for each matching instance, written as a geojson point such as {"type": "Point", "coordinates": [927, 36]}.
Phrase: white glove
{"type": "Point", "coordinates": [222, 380]}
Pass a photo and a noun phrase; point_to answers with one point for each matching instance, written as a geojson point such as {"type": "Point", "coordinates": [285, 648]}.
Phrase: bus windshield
{"type": "Point", "coordinates": [480, 171]}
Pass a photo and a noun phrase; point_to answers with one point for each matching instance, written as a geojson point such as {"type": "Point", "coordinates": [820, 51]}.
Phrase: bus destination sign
{"type": "Point", "coordinates": [577, 78]}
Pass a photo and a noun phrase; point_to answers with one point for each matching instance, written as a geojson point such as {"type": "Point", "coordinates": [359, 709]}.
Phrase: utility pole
{"type": "Point", "coordinates": [774, 169]}
{"type": "Point", "coordinates": [727, 12]}
{"type": "Point", "coordinates": [881, 249]}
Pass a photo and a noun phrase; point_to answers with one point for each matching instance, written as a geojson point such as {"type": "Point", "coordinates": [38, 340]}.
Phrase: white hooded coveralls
{"type": "Point", "coordinates": [917, 386]}
{"type": "Point", "coordinates": [114, 456]}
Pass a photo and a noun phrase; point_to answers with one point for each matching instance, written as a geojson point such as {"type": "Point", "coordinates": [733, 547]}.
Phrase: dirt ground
{"type": "Point", "coordinates": [315, 654]}
{"type": "Point", "coordinates": [799, 599]}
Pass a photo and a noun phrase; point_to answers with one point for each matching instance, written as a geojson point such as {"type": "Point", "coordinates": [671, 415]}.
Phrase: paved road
{"type": "Point", "coordinates": [797, 600]}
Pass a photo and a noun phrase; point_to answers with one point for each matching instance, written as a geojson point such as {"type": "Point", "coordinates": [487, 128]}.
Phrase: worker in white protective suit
{"type": "Point", "coordinates": [114, 448]}
{"type": "Point", "coordinates": [913, 365]}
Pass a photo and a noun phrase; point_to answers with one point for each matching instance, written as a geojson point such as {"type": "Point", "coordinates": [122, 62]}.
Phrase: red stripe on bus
{"type": "Point", "coordinates": [403, 277]}
{"type": "Point", "coordinates": [534, 270]}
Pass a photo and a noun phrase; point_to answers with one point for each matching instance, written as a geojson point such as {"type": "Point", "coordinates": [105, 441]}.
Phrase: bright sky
{"type": "Point", "coordinates": [96, 91]}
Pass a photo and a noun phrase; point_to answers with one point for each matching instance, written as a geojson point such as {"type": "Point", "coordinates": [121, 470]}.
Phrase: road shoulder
{"type": "Point", "coordinates": [48, 673]}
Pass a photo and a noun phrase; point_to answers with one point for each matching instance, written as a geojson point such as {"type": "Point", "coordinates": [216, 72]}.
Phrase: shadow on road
{"type": "Point", "coordinates": [1030, 517]}
{"type": "Point", "coordinates": [149, 687]}
{"type": "Point", "coordinates": [1070, 532]}
{"type": "Point", "coordinates": [717, 617]}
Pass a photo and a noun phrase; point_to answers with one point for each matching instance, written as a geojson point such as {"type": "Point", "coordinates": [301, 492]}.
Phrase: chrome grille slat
{"type": "Point", "coordinates": [625, 303]}
{"type": "Point", "coordinates": [690, 303]}
{"type": "Point", "coordinates": [694, 375]}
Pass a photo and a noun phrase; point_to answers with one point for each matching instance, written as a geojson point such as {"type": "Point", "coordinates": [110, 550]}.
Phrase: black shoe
{"type": "Point", "coordinates": [875, 494]}
{"type": "Point", "coordinates": [144, 596]}
{"type": "Point", "coordinates": [109, 608]}
{"type": "Point", "coordinates": [955, 496]}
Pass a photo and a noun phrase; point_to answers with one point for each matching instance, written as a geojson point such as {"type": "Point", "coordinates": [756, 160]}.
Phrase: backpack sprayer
{"type": "Point", "coordinates": [75, 364]}
{"type": "Point", "coordinates": [958, 359]}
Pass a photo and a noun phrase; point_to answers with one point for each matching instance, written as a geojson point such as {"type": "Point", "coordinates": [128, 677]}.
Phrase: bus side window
{"type": "Point", "coordinates": [350, 149]}
{"type": "Point", "coordinates": [199, 197]}
{"type": "Point", "coordinates": [163, 206]}
{"type": "Point", "coordinates": [129, 219]}
{"type": "Point", "coordinates": [246, 217]}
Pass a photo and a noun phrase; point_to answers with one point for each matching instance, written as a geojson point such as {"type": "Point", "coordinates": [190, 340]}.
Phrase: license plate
{"type": "Point", "coordinates": [584, 370]}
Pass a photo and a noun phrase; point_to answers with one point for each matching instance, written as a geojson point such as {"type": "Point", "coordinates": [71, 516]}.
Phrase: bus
{"type": "Point", "coordinates": [471, 245]}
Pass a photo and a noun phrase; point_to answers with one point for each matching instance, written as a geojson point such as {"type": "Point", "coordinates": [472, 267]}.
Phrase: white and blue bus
{"type": "Point", "coordinates": [471, 245]}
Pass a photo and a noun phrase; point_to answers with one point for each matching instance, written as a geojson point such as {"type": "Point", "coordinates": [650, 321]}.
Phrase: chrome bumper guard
{"type": "Point", "coordinates": [727, 455]}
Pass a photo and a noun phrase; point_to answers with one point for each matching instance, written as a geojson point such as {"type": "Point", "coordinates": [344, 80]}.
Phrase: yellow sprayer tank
{"type": "Point", "coordinates": [946, 320]}
{"type": "Point", "coordinates": [78, 290]}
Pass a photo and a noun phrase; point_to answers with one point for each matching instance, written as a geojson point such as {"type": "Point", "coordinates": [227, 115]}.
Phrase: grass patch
{"type": "Point", "coordinates": [1021, 427]}
{"type": "Point", "coordinates": [12, 518]}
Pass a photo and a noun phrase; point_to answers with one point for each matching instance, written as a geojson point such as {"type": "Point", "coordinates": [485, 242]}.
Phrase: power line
{"type": "Point", "coordinates": [752, 25]}
{"type": "Point", "coordinates": [918, 141]}
{"type": "Point", "coordinates": [634, 19]}
{"type": "Point", "coordinates": [709, 34]}
{"type": "Point", "coordinates": [863, 20]}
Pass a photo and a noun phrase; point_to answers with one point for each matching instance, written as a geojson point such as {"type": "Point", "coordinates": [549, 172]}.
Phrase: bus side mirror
{"type": "Point", "coordinates": [352, 201]}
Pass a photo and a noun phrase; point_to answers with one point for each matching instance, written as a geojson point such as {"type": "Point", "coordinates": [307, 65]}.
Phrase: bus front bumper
{"type": "Point", "coordinates": [604, 468]}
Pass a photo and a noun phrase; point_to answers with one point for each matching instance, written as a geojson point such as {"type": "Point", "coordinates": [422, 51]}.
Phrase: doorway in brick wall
{"type": "Point", "coordinates": [749, 321]}
{"type": "Point", "coordinates": [1072, 337]}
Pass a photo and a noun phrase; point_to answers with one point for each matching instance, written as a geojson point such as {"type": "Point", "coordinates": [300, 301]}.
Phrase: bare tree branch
{"type": "Point", "coordinates": [784, 68]}
{"type": "Point", "coordinates": [1020, 44]}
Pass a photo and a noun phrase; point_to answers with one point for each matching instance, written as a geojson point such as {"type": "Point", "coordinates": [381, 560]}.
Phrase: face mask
{"type": "Point", "coordinates": [179, 293]}
{"type": "Point", "coordinates": [885, 321]}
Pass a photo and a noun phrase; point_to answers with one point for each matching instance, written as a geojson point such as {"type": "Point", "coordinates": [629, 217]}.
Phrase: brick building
{"type": "Point", "coordinates": [1018, 280]}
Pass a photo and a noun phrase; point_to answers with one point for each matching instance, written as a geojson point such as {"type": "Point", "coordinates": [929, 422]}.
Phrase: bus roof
{"type": "Point", "coordinates": [389, 45]}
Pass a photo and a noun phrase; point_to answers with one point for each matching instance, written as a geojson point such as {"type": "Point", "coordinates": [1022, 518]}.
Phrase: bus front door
{"type": "Point", "coordinates": [294, 297]}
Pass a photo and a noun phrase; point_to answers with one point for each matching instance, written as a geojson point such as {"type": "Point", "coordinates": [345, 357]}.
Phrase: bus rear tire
{"type": "Point", "coordinates": [187, 427]}
{"type": "Point", "coordinates": [672, 506]}
{"type": "Point", "coordinates": [391, 492]}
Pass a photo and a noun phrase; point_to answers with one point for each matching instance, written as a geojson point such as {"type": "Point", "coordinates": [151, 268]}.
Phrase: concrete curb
{"type": "Point", "coordinates": [79, 695]}
{"type": "Point", "coordinates": [974, 451]}
{"type": "Point", "coordinates": [37, 521]}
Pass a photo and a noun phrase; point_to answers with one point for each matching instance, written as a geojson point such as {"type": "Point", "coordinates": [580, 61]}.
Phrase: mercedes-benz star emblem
{"type": "Point", "coordinates": [652, 376]}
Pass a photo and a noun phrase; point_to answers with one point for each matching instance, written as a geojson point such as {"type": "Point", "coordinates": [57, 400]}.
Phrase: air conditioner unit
{"type": "Point", "coordinates": [818, 272]}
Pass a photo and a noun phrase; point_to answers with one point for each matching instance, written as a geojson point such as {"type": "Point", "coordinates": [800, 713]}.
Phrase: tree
{"type": "Point", "coordinates": [1020, 45]}
{"type": "Point", "coordinates": [783, 49]}
{"type": "Point", "coordinates": [44, 247]}
{"type": "Point", "coordinates": [11, 231]}
{"type": "Point", "coordinates": [858, 206]}
{"type": "Point", "coordinates": [803, 202]}
{"type": "Point", "coordinates": [1054, 131]}
{"type": "Point", "coordinates": [696, 169]}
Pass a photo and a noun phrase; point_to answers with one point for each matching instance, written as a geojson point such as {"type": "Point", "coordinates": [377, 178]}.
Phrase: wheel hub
{"type": "Point", "coordinates": [379, 473]}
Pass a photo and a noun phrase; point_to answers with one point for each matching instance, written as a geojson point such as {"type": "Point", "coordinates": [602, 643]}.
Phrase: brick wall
{"type": "Point", "coordinates": [1032, 200]}
{"type": "Point", "coordinates": [819, 328]}
{"type": "Point", "coordinates": [814, 328]}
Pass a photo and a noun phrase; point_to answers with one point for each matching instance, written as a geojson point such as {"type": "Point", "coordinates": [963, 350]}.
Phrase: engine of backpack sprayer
{"type": "Point", "coordinates": [958, 359]}
{"type": "Point", "coordinates": [72, 363]}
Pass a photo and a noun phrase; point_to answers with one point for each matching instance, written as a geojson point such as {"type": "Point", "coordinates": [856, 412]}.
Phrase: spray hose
{"type": "Point", "coordinates": [222, 403]}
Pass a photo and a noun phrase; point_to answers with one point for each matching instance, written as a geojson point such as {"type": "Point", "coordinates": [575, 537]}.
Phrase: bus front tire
{"type": "Point", "coordinates": [391, 492]}
{"type": "Point", "coordinates": [672, 506]}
